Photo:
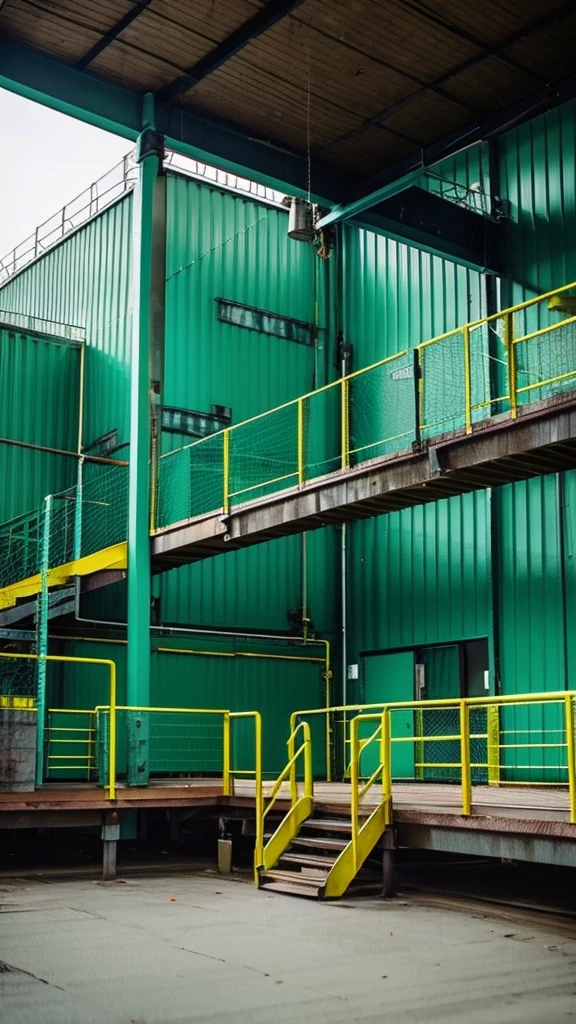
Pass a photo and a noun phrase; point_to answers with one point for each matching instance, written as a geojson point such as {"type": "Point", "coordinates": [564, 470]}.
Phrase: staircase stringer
{"type": "Point", "coordinates": [344, 870]}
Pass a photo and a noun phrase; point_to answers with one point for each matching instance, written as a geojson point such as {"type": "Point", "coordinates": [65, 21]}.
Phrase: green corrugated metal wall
{"type": "Point", "coordinates": [85, 281]}
{"type": "Point", "coordinates": [273, 687]}
{"type": "Point", "coordinates": [39, 379]}
{"type": "Point", "coordinates": [222, 245]}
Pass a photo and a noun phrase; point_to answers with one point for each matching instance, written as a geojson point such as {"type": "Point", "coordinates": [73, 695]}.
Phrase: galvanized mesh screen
{"type": "Point", "coordinates": [191, 480]}
{"type": "Point", "coordinates": [546, 364]}
{"type": "Point", "coordinates": [322, 433]}
{"type": "Point", "coordinates": [382, 409]}
{"type": "Point", "coordinates": [442, 394]}
{"type": "Point", "coordinates": [18, 677]}
{"type": "Point", "coordinates": [264, 455]}
{"type": "Point", "coordinates": [104, 507]}
{"type": "Point", "coordinates": [20, 548]}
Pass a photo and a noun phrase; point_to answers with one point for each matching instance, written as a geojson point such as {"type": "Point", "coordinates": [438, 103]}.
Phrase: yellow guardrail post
{"type": "Point", "coordinates": [293, 774]}
{"type": "Point", "coordinates": [301, 469]}
{"type": "Point", "coordinates": [386, 759]}
{"type": "Point", "coordinates": [493, 744]}
{"type": "Point", "coordinates": [569, 708]}
{"type": "Point", "coordinates": [511, 356]}
{"type": "Point", "coordinates": [344, 424]}
{"type": "Point", "coordinates": [226, 755]}
{"type": "Point", "coordinates": [259, 845]}
{"type": "Point", "coordinates": [465, 758]}
{"type": "Point", "coordinates": [308, 783]}
{"type": "Point", "coordinates": [226, 471]}
{"type": "Point", "coordinates": [467, 380]}
{"type": "Point", "coordinates": [354, 773]}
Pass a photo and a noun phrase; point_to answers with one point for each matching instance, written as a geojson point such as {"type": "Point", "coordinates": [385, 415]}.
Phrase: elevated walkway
{"type": "Point", "coordinates": [489, 403]}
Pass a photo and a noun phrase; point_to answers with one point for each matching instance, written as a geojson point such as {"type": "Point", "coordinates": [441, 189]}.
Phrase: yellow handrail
{"type": "Point", "coordinates": [111, 665]}
{"type": "Point", "coordinates": [290, 769]}
{"type": "Point", "coordinates": [384, 769]}
{"type": "Point", "coordinates": [495, 737]}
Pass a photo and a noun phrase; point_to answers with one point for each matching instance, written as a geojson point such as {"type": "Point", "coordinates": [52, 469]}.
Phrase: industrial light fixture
{"type": "Point", "coordinates": [301, 221]}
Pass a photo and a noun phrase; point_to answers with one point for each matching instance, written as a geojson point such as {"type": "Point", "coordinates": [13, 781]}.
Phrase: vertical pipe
{"type": "Point", "coordinates": [226, 472]}
{"type": "Point", "coordinates": [465, 758]}
{"type": "Point", "coordinates": [467, 380]}
{"type": "Point", "coordinates": [226, 755]}
{"type": "Point", "coordinates": [139, 589]}
{"type": "Point", "coordinates": [42, 642]}
{"type": "Point", "coordinates": [78, 510]}
{"type": "Point", "coordinates": [569, 709]}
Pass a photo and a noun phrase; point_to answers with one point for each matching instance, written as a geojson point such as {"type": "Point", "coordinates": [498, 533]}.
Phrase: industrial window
{"type": "Point", "coordinates": [262, 320]}
{"type": "Point", "coordinates": [196, 424]}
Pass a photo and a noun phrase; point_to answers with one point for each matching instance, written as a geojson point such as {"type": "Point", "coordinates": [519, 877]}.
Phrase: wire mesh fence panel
{"type": "Point", "coordinates": [546, 363]}
{"type": "Point", "coordinates": [533, 743]}
{"type": "Point", "coordinates": [172, 743]}
{"type": "Point", "coordinates": [18, 677]}
{"type": "Point", "coordinates": [191, 481]}
{"type": "Point", "coordinates": [442, 386]}
{"type": "Point", "coordinates": [489, 390]}
{"type": "Point", "coordinates": [383, 409]}
{"type": "Point", "coordinates": [264, 455]}
{"type": "Point", "coordinates": [438, 752]}
{"type": "Point", "coordinates": [104, 512]}
{"type": "Point", "coordinates": [482, 754]}
{"type": "Point", "coordinates": [20, 548]}
{"type": "Point", "coordinates": [322, 433]}
{"type": "Point", "coordinates": [61, 523]}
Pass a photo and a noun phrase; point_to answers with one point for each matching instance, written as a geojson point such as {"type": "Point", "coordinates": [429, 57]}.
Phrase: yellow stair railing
{"type": "Point", "coordinates": [301, 805]}
{"type": "Point", "coordinates": [364, 834]}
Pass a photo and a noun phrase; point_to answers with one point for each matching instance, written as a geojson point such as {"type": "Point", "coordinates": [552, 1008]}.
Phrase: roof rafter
{"type": "Point", "coordinates": [113, 33]}
{"type": "Point", "coordinates": [264, 19]}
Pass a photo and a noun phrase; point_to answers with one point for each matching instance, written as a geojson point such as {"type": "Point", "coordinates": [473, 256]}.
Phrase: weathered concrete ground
{"type": "Point", "coordinates": [186, 948]}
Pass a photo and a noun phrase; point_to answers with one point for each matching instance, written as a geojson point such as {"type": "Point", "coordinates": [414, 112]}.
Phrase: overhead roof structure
{"type": "Point", "coordinates": [373, 89]}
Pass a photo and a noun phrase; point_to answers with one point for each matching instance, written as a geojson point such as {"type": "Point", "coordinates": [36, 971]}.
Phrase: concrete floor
{"type": "Point", "coordinates": [195, 947]}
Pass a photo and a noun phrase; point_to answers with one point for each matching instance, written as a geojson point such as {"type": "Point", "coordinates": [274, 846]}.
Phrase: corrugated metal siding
{"type": "Point", "coordinates": [39, 385]}
{"type": "Point", "coordinates": [537, 178]}
{"type": "Point", "coordinates": [397, 296]}
{"type": "Point", "coordinates": [530, 571]}
{"type": "Point", "coordinates": [421, 575]}
{"type": "Point", "coordinates": [85, 281]}
{"type": "Point", "coordinates": [222, 245]}
{"type": "Point", "coordinates": [273, 687]}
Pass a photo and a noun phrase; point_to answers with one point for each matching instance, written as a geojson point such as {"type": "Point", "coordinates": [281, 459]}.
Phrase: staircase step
{"type": "Point", "coordinates": [290, 890]}
{"type": "Point", "coordinates": [328, 824]}
{"type": "Point", "coordinates": [308, 860]}
{"type": "Point", "coordinates": [299, 878]}
{"type": "Point", "coordinates": [320, 842]}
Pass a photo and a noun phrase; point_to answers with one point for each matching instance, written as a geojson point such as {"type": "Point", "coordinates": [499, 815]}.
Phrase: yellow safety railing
{"type": "Point", "coordinates": [448, 383]}
{"type": "Point", "coordinates": [300, 804]}
{"type": "Point", "coordinates": [104, 662]}
{"type": "Point", "coordinates": [81, 737]}
{"type": "Point", "coordinates": [382, 737]}
{"type": "Point", "coordinates": [509, 746]}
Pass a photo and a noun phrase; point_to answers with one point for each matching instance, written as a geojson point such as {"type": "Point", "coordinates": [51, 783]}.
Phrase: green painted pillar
{"type": "Point", "coordinates": [149, 153]}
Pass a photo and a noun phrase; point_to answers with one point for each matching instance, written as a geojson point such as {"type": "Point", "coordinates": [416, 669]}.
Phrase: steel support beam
{"type": "Point", "coordinates": [118, 109]}
{"type": "Point", "coordinates": [113, 33]}
{"type": "Point", "coordinates": [149, 155]}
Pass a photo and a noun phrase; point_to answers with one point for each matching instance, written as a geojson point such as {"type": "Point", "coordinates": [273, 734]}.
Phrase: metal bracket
{"type": "Point", "coordinates": [435, 461]}
{"type": "Point", "coordinates": [150, 143]}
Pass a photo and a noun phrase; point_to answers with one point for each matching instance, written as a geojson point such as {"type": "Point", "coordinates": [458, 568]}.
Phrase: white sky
{"type": "Point", "coordinates": [50, 159]}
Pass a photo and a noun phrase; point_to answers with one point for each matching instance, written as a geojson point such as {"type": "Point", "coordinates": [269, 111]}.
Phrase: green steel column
{"type": "Point", "coordinates": [149, 152]}
{"type": "Point", "coordinates": [42, 637]}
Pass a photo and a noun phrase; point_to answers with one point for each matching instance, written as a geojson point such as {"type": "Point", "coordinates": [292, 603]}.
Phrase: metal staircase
{"type": "Point", "coordinates": [321, 856]}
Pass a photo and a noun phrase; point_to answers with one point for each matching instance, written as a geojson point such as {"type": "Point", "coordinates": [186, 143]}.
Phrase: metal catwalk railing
{"type": "Point", "coordinates": [493, 367]}
{"type": "Point", "coordinates": [490, 369]}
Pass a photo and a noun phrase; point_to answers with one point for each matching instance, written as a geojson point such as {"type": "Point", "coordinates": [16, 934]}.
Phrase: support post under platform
{"type": "Point", "coordinates": [110, 837]}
